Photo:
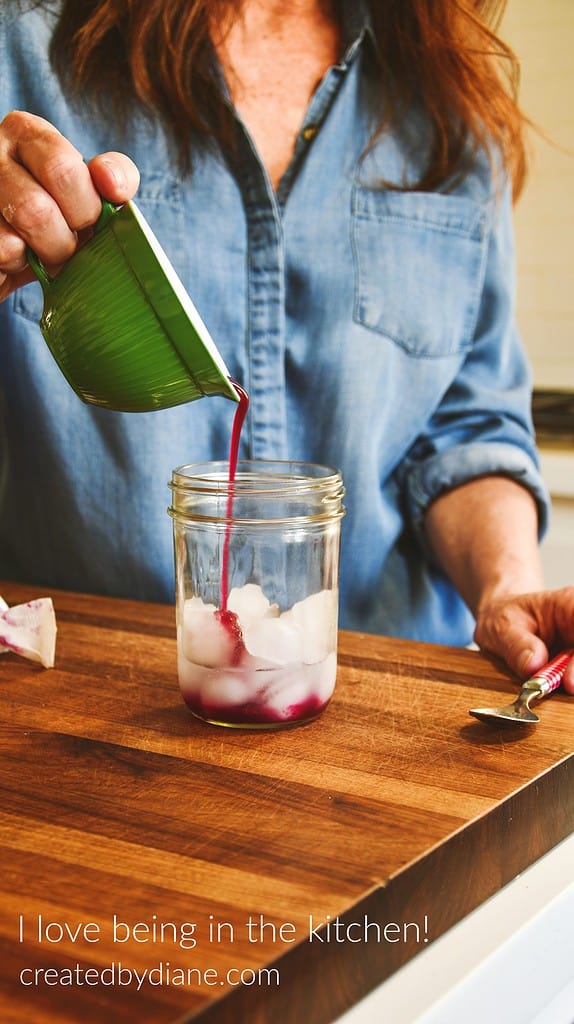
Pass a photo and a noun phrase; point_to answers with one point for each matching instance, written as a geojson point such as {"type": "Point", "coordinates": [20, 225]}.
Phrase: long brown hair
{"type": "Point", "coordinates": [443, 55]}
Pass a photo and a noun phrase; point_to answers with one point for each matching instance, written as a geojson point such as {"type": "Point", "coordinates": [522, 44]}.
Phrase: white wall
{"type": "Point", "coordinates": [541, 33]}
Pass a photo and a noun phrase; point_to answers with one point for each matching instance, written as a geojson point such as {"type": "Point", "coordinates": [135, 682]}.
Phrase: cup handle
{"type": "Point", "coordinates": [108, 211]}
{"type": "Point", "coordinates": [42, 274]}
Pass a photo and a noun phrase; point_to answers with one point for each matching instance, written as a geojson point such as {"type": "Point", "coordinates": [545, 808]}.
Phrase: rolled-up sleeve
{"type": "Point", "coordinates": [457, 465]}
{"type": "Point", "coordinates": [483, 425]}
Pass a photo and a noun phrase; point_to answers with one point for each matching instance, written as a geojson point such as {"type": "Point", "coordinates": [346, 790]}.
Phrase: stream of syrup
{"type": "Point", "coordinates": [238, 421]}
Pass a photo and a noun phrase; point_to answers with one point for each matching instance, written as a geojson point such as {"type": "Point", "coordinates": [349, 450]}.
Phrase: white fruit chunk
{"type": "Point", "coordinates": [30, 630]}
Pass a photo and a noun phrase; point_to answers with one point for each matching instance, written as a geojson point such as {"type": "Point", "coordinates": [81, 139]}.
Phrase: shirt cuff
{"type": "Point", "coordinates": [448, 469]}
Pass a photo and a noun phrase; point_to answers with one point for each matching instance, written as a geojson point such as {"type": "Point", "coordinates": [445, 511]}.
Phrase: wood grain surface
{"type": "Point", "coordinates": [134, 838]}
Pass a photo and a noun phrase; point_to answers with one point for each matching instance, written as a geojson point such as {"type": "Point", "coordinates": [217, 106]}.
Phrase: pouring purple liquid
{"type": "Point", "coordinates": [238, 421]}
{"type": "Point", "coordinates": [228, 619]}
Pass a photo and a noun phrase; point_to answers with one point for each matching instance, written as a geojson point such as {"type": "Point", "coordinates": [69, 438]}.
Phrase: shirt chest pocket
{"type": "Point", "coordinates": [419, 261]}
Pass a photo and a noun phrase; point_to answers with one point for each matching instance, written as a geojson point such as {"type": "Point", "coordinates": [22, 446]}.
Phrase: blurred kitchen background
{"type": "Point", "coordinates": [542, 36]}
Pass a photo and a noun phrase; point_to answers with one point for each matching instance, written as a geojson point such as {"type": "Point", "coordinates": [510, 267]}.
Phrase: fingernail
{"type": "Point", "coordinates": [116, 173]}
{"type": "Point", "coordinates": [525, 661]}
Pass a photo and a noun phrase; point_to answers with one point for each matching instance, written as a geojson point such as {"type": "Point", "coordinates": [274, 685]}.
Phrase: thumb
{"type": "Point", "coordinates": [533, 657]}
{"type": "Point", "coordinates": [115, 176]}
{"type": "Point", "coordinates": [522, 650]}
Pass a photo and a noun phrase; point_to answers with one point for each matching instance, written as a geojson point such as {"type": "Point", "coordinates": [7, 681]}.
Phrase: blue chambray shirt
{"type": "Point", "coordinates": [373, 328]}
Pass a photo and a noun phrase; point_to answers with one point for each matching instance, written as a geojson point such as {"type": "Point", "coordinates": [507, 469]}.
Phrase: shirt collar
{"type": "Point", "coordinates": [356, 23]}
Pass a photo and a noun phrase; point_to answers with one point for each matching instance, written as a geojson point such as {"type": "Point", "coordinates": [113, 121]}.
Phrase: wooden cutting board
{"type": "Point", "coordinates": [308, 863]}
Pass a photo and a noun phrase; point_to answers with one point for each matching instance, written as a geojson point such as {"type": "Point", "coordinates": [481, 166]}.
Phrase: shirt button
{"type": "Point", "coordinates": [310, 132]}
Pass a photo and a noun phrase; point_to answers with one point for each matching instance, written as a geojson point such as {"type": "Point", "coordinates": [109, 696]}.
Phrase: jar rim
{"type": "Point", "coordinates": [287, 493]}
{"type": "Point", "coordinates": [256, 476]}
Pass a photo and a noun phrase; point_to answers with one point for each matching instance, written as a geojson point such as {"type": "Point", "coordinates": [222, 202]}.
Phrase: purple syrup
{"type": "Point", "coordinates": [228, 619]}
{"type": "Point", "coordinates": [230, 623]}
{"type": "Point", "coordinates": [253, 712]}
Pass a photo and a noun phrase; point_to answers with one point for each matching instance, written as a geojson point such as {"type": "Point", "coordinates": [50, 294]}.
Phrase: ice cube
{"type": "Point", "coordinates": [206, 639]}
{"type": "Point", "coordinates": [226, 689]}
{"type": "Point", "coordinates": [297, 685]}
{"type": "Point", "coordinates": [192, 677]}
{"type": "Point", "coordinates": [315, 618]}
{"type": "Point", "coordinates": [277, 641]}
{"type": "Point", "coordinates": [250, 604]}
{"type": "Point", "coordinates": [288, 693]}
{"type": "Point", "coordinates": [323, 677]}
{"type": "Point", "coordinates": [196, 606]}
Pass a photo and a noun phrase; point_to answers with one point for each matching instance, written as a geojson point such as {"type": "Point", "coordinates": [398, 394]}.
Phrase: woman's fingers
{"type": "Point", "coordinates": [46, 190]}
{"type": "Point", "coordinates": [49, 195]}
{"type": "Point", "coordinates": [527, 629]}
{"type": "Point", "coordinates": [115, 176]}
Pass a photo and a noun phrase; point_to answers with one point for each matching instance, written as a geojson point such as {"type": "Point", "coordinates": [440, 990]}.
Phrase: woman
{"type": "Point", "coordinates": [331, 181]}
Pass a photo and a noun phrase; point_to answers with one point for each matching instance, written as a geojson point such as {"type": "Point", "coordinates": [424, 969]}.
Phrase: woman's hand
{"type": "Point", "coordinates": [528, 629]}
{"type": "Point", "coordinates": [48, 196]}
{"type": "Point", "coordinates": [484, 534]}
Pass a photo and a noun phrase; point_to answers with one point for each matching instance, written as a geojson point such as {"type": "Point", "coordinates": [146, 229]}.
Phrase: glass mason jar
{"type": "Point", "coordinates": [256, 565]}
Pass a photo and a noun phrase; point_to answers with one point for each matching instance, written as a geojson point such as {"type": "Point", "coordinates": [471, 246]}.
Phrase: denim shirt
{"type": "Point", "coordinates": [373, 328]}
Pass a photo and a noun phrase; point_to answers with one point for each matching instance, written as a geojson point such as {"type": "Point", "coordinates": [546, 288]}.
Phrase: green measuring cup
{"type": "Point", "coordinates": [121, 326]}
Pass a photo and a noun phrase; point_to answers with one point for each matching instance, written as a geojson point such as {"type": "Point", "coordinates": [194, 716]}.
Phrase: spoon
{"type": "Point", "coordinates": [542, 684]}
